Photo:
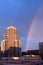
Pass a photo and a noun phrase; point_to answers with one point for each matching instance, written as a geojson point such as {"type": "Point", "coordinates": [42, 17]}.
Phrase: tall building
{"type": "Point", "coordinates": [41, 49]}
{"type": "Point", "coordinates": [11, 32]}
{"type": "Point", "coordinates": [11, 42]}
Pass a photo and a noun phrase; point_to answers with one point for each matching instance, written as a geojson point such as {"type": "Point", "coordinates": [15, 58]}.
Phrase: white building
{"type": "Point", "coordinates": [3, 45]}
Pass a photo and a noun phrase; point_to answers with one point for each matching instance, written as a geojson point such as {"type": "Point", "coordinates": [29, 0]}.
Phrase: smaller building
{"type": "Point", "coordinates": [33, 52]}
{"type": "Point", "coordinates": [41, 49]}
{"type": "Point", "coordinates": [3, 45]}
{"type": "Point", "coordinates": [0, 53]}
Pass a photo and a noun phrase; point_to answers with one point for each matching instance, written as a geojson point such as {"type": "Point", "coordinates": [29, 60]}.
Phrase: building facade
{"type": "Point", "coordinates": [41, 49]}
{"type": "Point", "coordinates": [3, 45]}
{"type": "Point", "coordinates": [12, 43]}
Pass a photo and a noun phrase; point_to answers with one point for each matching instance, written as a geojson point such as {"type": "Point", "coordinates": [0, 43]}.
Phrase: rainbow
{"type": "Point", "coordinates": [31, 26]}
{"type": "Point", "coordinates": [30, 30]}
{"type": "Point", "coordinates": [29, 34]}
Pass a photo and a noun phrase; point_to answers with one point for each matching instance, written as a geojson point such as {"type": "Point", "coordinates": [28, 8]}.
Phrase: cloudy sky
{"type": "Point", "coordinates": [21, 14]}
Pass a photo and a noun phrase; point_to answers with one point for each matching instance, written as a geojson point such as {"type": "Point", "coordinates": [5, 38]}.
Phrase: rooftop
{"type": "Point", "coordinates": [11, 27]}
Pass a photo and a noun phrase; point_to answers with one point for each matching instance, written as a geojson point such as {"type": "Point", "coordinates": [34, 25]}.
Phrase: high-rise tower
{"type": "Point", "coordinates": [12, 42]}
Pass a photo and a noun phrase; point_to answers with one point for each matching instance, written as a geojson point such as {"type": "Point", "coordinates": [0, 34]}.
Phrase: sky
{"type": "Point", "coordinates": [20, 14]}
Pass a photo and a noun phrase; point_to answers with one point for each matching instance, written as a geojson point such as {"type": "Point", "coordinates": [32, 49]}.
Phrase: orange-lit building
{"type": "Point", "coordinates": [12, 42]}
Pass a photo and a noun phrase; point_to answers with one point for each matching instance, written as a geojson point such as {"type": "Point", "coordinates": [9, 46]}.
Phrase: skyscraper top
{"type": "Point", "coordinates": [11, 27]}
